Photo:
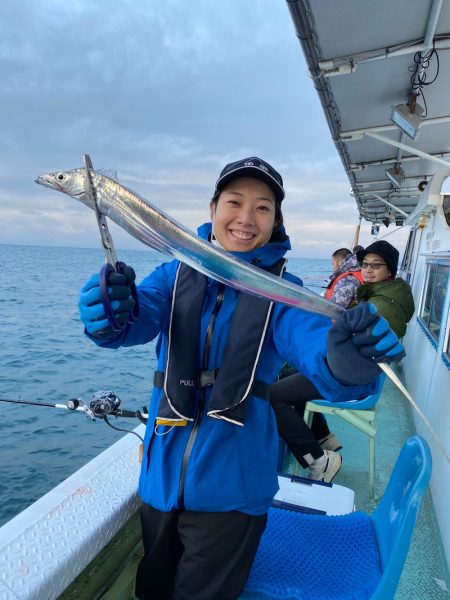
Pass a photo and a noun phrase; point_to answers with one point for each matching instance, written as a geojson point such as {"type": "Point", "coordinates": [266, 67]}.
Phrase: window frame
{"type": "Point", "coordinates": [443, 334]}
{"type": "Point", "coordinates": [408, 254]}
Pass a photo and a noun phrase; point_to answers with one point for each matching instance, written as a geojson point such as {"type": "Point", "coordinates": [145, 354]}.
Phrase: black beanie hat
{"type": "Point", "coordinates": [385, 250]}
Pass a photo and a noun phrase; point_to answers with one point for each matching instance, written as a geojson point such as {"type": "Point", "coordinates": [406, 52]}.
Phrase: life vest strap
{"type": "Point", "coordinates": [261, 389]}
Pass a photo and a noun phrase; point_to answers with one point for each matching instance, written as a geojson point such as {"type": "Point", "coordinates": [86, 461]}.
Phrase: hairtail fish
{"type": "Point", "coordinates": [159, 231]}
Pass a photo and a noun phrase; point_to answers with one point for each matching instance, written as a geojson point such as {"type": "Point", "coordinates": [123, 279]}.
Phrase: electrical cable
{"type": "Point", "coordinates": [105, 418]}
{"type": "Point", "coordinates": [418, 78]}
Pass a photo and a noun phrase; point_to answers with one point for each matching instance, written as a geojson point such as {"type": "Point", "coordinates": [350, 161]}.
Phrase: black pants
{"type": "Point", "coordinates": [196, 555]}
{"type": "Point", "coordinates": [288, 397]}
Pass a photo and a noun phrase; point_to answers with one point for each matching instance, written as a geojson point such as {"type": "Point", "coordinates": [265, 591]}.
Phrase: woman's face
{"type": "Point", "coordinates": [374, 269]}
{"type": "Point", "coordinates": [244, 216]}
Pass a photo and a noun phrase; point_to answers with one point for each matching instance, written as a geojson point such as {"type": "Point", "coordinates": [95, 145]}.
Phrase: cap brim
{"type": "Point", "coordinates": [256, 173]}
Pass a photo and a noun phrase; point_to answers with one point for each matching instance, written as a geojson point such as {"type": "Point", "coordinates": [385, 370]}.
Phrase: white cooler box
{"type": "Point", "coordinates": [313, 497]}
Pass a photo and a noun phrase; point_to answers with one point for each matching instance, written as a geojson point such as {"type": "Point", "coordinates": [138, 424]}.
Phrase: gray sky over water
{"type": "Point", "coordinates": [164, 93]}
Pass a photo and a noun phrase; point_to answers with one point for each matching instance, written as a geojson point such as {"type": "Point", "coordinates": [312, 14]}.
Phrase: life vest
{"type": "Point", "coordinates": [235, 381]}
{"type": "Point", "coordinates": [330, 289]}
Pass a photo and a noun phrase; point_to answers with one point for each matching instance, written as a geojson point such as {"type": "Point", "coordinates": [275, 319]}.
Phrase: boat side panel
{"type": "Point", "coordinates": [46, 546]}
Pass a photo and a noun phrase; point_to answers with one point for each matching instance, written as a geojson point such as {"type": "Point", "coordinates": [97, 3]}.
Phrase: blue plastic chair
{"type": "Point", "coordinates": [349, 557]}
{"type": "Point", "coordinates": [360, 414]}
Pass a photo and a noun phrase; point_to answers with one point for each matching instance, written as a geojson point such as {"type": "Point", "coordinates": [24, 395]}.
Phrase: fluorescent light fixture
{"type": "Point", "coordinates": [408, 121]}
{"type": "Point", "coordinates": [396, 175]}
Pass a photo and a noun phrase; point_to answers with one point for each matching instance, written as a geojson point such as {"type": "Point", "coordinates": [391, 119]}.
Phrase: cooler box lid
{"type": "Point", "coordinates": [315, 497]}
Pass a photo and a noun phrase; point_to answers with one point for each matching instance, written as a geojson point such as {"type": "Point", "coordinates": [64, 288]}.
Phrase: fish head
{"type": "Point", "coordinates": [74, 183]}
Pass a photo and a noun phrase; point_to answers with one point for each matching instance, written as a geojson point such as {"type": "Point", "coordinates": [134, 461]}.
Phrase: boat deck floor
{"type": "Point", "coordinates": [425, 574]}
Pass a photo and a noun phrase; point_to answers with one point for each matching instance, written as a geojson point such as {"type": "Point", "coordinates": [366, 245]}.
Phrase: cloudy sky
{"type": "Point", "coordinates": [165, 94]}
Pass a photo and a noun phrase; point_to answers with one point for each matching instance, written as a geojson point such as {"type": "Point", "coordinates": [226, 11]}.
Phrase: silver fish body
{"type": "Point", "coordinates": [161, 232]}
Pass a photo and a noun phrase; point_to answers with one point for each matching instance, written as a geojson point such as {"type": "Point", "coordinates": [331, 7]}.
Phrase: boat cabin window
{"type": "Point", "coordinates": [407, 260]}
{"type": "Point", "coordinates": [446, 207]}
{"type": "Point", "coordinates": [433, 304]}
{"type": "Point", "coordinates": [447, 348]}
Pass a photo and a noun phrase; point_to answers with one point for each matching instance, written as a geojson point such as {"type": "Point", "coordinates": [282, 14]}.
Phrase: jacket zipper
{"type": "Point", "coordinates": [201, 404]}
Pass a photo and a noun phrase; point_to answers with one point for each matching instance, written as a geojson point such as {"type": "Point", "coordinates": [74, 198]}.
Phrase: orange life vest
{"type": "Point", "coordinates": [356, 274]}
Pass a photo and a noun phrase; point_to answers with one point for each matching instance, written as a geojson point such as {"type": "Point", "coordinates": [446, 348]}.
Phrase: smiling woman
{"type": "Point", "coordinates": [243, 216]}
{"type": "Point", "coordinates": [245, 210]}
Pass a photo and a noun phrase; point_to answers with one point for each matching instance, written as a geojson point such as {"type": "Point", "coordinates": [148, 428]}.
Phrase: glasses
{"type": "Point", "coordinates": [374, 266]}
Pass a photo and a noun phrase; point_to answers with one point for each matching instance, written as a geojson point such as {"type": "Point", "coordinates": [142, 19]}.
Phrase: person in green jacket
{"type": "Point", "coordinates": [391, 295]}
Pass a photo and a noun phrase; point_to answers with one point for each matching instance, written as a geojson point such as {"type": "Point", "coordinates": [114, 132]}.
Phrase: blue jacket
{"type": "Point", "coordinates": [230, 467]}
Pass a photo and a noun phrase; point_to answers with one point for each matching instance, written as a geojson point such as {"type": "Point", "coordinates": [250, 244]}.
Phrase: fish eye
{"type": "Point", "coordinates": [61, 176]}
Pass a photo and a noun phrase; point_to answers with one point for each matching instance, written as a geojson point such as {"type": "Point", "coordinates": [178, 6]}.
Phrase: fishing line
{"type": "Point", "coordinates": [390, 373]}
{"type": "Point", "coordinates": [388, 370]}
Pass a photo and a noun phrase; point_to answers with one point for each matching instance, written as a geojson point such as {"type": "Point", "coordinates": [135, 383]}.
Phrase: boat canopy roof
{"type": "Point", "coordinates": [365, 58]}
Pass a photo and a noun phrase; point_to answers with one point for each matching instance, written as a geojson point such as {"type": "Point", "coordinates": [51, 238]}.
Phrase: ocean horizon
{"type": "Point", "coordinates": [46, 358]}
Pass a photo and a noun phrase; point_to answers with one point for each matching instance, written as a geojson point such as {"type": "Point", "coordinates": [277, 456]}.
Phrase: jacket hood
{"type": "Point", "coordinates": [349, 264]}
{"type": "Point", "coordinates": [262, 257]}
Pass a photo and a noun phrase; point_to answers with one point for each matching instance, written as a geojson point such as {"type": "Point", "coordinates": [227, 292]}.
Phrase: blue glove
{"type": "Point", "coordinates": [359, 340]}
{"type": "Point", "coordinates": [92, 311]}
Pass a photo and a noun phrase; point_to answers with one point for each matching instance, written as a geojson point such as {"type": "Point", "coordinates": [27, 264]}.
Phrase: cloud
{"type": "Point", "coordinates": [165, 94]}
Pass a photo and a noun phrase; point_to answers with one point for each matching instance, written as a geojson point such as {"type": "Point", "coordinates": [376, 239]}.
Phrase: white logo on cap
{"type": "Point", "coordinates": [250, 163]}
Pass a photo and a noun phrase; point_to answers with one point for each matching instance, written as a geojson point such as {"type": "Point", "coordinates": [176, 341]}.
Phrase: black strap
{"type": "Point", "coordinates": [182, 357]}
{"type": "Point", "coordinates": [261, 389]}
{"type": "Point", "coordinates": [233, 383]}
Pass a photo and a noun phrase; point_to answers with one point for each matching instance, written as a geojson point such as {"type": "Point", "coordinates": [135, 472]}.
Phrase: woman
{"type": "Point", "coordinates": [208, 472]}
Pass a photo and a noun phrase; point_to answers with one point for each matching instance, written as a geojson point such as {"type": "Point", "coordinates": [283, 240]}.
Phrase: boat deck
{"type": "Point", "coordinates": [425, 575]}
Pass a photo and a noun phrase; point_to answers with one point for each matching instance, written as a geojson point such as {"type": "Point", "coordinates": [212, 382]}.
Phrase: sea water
{"type": "Point", "coordinates": [45, 357]}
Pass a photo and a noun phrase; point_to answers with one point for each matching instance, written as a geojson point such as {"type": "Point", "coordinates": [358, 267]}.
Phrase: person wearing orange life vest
{"type": "Point", "coordinates": [346, 278]}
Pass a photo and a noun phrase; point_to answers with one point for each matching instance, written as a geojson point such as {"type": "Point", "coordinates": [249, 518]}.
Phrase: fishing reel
{"type": "Point", "coordinates": [104, 403]}
{"type": "Point", "coordinates": [78, 404]}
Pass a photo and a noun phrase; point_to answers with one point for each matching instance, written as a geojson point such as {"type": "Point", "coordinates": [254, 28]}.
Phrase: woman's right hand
{"type": "Point", "coordinates": [92, 311]}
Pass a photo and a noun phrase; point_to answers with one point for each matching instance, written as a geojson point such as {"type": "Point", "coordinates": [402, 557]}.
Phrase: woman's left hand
{"type": "Point", "coordinates": [359, 340]}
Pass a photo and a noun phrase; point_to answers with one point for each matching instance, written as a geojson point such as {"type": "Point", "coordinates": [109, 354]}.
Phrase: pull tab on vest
{"type": "Point", "coordinates": [234, 381]}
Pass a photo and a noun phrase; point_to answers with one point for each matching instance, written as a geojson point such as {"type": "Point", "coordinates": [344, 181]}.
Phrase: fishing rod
{"type": "Point", "coordinates": [102, 405]}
